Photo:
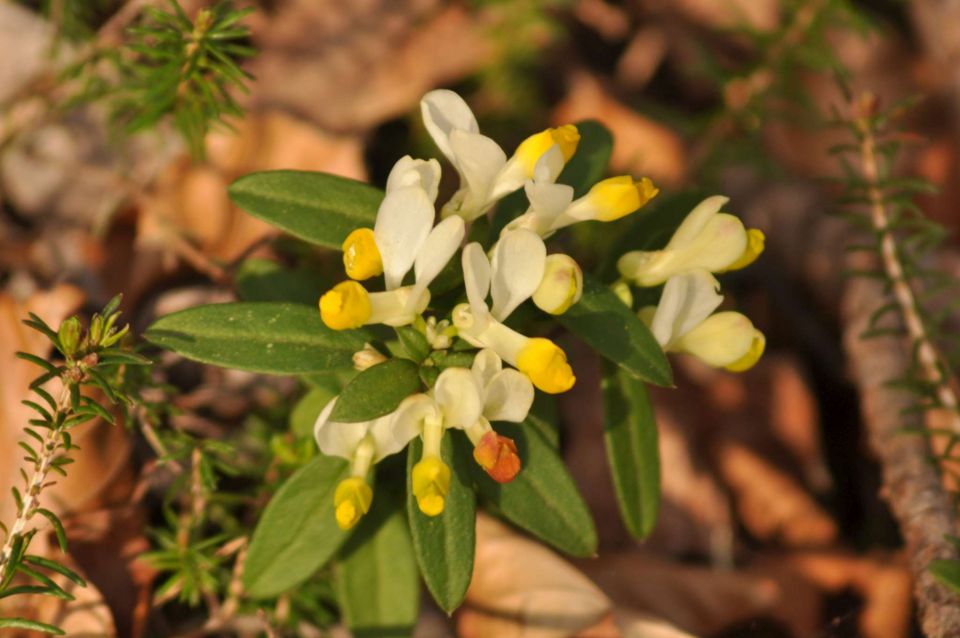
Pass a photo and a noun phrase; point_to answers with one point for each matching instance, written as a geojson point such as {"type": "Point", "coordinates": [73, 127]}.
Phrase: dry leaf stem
{"type": "Point", "coordinates": [31, 500]}
{"type": "Point", "coordinates": [928, 358]}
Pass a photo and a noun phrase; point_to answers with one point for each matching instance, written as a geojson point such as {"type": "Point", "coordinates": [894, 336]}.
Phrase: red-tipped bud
{"type": "Point", "coordinates": [497, 455]}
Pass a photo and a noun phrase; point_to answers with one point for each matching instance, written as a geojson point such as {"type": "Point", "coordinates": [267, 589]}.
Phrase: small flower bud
{"type": "Point", "coordinates": [622, 290]}
{"type": "Point", "coordinates": [352, 500]}
{"type": "Point", "coordinates": [561, 286]}
{"type": "Point", "coordinates": [367, 358]}
{"type": "Point", "coordinates": [69, 335]}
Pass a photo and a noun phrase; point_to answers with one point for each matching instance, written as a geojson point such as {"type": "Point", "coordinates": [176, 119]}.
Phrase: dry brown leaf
{"type": "Point", "coordinates": [642, 57]}
{"type": "Point", "coordinates": [189, 207]}
{"type": "Point", "coordinates": [87, 616]}
{"type": "Point", "coordinates": [702, 600]}
{"type": "Point", "coordinates": [641, 145]}
{"type": "Point", "coordinates": [769, 502]}
{"type": "Point", "coordinates": [351, 65]}
{"type": "Point", "coordinates": [521, 588]}
{"type": "Point", "coordinates": [609, 21]}
{"type": "Point", "coordinates": [762, 15]}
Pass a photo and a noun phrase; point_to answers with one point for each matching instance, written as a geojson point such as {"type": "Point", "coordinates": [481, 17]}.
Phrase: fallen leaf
{"type": "Point", "coordinates": [521, 588]}
{"type": "Point", "coordinates": [642, 146]}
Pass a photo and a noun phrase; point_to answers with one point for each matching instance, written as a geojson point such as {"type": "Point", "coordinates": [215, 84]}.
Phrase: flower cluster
{"type": "Point", "coordinates": [406, 235]}
{"type": "Point", "coordinates": [707, 242]}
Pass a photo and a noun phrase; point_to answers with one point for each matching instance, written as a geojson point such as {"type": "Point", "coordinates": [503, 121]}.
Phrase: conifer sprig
{"type": "Point", "coordinates": [96, 358]}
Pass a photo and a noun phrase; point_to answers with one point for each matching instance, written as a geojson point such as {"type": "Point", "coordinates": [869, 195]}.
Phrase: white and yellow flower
{"type": "Point", "coordinates": [362, 444]}
{"type": "Point", "coordinates": [552, 206]}
{"type": "Point", "coordinates": [486, 174]}
{"type": "Point", "coordinates": [706, 240]}
{"type": "Point", "coordinates": [402, 238]}
{"type": "Point", "coordinates": [454, 402]}
{"type": "Point", "coordinates": [506, 395]}
{"type": "Point", "coordinates": [684, 322]}
{"type": "Point", "coordinates": [517, 269]}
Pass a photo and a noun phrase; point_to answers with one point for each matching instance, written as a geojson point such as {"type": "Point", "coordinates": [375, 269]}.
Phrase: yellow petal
{"type": "Point", "coordinates": [361, 257]}
{"type": "Point", "coordinates": [747, 361]}
{"type": "Point", "coordinates": [755, 245]}
{"type": "Point", "coordinates": [567, 137]}
{"type": "Point", "coordinates": [546, 365]}
{"type": "Point", "coordinates": [352, 500]}
{"type": "Point", "coordinates": [345, 306]}
{"type": "Point", "coordinates": [431, 483]}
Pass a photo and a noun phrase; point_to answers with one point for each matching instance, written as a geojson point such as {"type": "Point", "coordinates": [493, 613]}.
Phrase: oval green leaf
{"type": "Point", "coordinates": [317, 207]}
{"type": "Point", "coordinates": [609, 327]}
{"type": "Point", "coordinates": [265, 280]}
{"type": "Point", "coordinates": [376, 581]}
{"type": "Point", "coordinates": [542, 499]}
{"type": "Point", "coordinates": [589, 164]}
{"type": "Point", "coordinates": [376, 391]}
{"type": "Point", "coordinates": [273, 338]}
{"type": "Point", "coordinates": [630, 436]}
{"type": "Point", "coordinates": [445, 544]}
{"type": "Point", "coordinates": [298, 532]}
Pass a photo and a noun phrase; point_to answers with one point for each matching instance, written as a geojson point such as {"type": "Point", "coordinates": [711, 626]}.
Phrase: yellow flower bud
{"type": "Point", "coordinates": [622, 290]}
{"type": "Point", "coordinates": [755, 245]}
{"type": "Point", "coordinates": [617, 197]}
{"type": "Point", "coordinates": [352, 500]}
{"type": "Point", "coordinates": [431, 483]}
{"type": "Point", "coordinates": [367, 358]}
{"type": "Point", "coordinates": [361, 257]}
{"type": "Point", "coordinates": [546, 365]}
{"type": "Point", "coordinates": [747, 361]}
{"type": "Point", "coordinates": [345, 306]}
{"type": "Point", "coordinates": [567, 137]}
{"type": "Point", "coordinates": [561, 286]}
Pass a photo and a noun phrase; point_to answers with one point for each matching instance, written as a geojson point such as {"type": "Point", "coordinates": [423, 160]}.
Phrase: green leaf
{"type": "Point", "coordinates": [317, 207]}
{"type": "Point", "coordinates": [602, 321]}
{"type": "Point", "coordinates": [414, 342]}
{"type": "Point", "coordinates": [589, 164]}
{"type": "Point", "coordinates": [630, 435]}
{"type": "Point", "coordinates": [23, 623]}
{"type": "Point", "coordinates": [542, 499]}
{"type": "Point", "coordinates": [376, 391]}
{"type": "Point", "coordinates": [275, 338]}
{"type": "Point", "coordinates": [947, 571]}
{"type": "Point", "coordinates": [265, 280]}
{"type": "Point", "coordinates": [376, 580]}
{"type": "Point", "coordinates": [298, 532]}
{"type": "Point", "coordinates": [444, 545]}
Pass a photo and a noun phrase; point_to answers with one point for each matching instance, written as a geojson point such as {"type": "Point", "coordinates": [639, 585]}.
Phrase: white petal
{"type": "Point", "coordinates": [518, 262]}
{"type": "Point", "coordinates": [686, 301]}
{"type": "Point", "coordinates": [458, 397]}
{"type": "Point", "coordinates": [549, 166]}
{"type": "Point", "coordinates": [486, 365]}
{"type": "Point", "coordinates": [415, 172]}
{"type": "Point", "coordinates": [444, 112]}
{"type": "Point", "coordinates": [696, 220]}
{"type": "Point", "coordinates": [390, 439]}
{"type": "Point", "coordinates": [403, 223]}
{"type": "Point", "coordinates": [508, 397]}
{"type": "Point", "coordinates": [548, 201]}
{"type": "Point", "coordinates": [720, 243]}
{"type": "Point", "coordinates": [338, 439]}
{"type": "Point", "coordinates": [476, 278]}
{"type": "Point", "coordinates": [479, 159]}
{"type": "Point", "coordinates": [441, 244]}
{"type": "Point", "coordinates": [407, 421]}
{"type": "Point", "coordinates": [720, 340]}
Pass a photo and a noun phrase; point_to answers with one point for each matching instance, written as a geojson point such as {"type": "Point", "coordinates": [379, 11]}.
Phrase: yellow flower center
{"type": "Point", "coordinates": [361, 257]}
{"type": "Point", "coordinates": [351, 500]}
{"type": "Point", "coordinates": [747, 361]}
{"type": "Point", "coordinates": [617, 197]}
{"type": "Point", "coordinates": [431, 483]}
{"type": "Point", "coordinates": [345, 306]}
{"type": "Point", "coordinates": [567, 137]}
{"type": "Point", "coordinates": [546, 365]}
{"type": "Point", "coordinates": [755, 244]}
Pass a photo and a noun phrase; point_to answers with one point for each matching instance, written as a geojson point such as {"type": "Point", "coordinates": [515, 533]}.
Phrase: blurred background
{"type": "Point", "coordinates": [774, 522]}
